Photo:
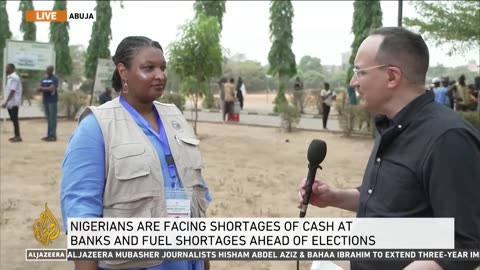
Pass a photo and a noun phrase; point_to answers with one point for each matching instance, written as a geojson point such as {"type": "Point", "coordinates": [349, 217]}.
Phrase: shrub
{"type": "Point", "coordinates": [352, 116]}
{"type": "Point", "coordinates": [290, 116]}
{"type": "Point", "coordinates": [472, 117]}
{"type": "Point", "coordinates": [71, 102]}
{"type": "Point", "coordinates": [175, 98]}
{"type": "Point", "coordinates": [345, 118]}
{"type": "Point", "coordinates": [86, 86]}
{"type": "Point", "coordinates": [208, 101]}
{"type": "Point", "coordinates": [314, 99]}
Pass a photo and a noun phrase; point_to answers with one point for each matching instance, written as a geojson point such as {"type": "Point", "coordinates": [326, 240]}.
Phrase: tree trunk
{"type": "Point", "coordinates": [196, 113]}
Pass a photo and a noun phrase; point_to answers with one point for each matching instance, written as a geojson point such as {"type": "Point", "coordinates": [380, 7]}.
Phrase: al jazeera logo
{"type": "Point", "coordinates": [45, 230]}
{"type": "Point", "coordinates": [46, 227]}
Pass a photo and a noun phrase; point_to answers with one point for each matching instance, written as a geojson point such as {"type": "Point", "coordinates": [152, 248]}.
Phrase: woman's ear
{"type": "Point", "coordinates": [122, 70]}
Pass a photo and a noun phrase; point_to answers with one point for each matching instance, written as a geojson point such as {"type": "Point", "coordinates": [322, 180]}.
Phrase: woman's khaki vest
{"type": "Point", "coordinates": [134, 181]}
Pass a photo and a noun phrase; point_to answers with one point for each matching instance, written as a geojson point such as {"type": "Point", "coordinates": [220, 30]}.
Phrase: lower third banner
{"type": "Point", "coordinates": [276, 254]}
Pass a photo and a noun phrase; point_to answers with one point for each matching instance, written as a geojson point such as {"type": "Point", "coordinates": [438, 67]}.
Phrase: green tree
{"type": "Point", "coordinates": [60, 38]}
{"type": "Point", "coordinates": [449, 22]}
{"type": "Point", "coordinates": [4, 28]}
{"type": "Point", "coordinates": [311, 79]}
{"type": "Point", "coordinates": [310, 71]}
{"type": "Point", "coordinates": [367, 15]}
{"type": "Point", "coordinates": [196, 57]}
{"type": "Point", "coordinates": [78, 56]}
{"type": "Point", "coordinates": [173, 82]}
{"type": "Point", "coordinates": [214, 8]}
{"type": "Point", "coordinates": [99, 39]}
{"type": "Point", "coordinates": [252, 73]}
{"type": "Point", "coordinates": [308, 62]}
{"type": "Point", "coordinates": [29, 29]}
{"type": "Point", "coordinates": [281, 58]}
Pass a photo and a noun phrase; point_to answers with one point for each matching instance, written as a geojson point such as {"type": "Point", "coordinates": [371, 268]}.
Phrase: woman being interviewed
{"type": "Point", "coordinates": [130, 156]}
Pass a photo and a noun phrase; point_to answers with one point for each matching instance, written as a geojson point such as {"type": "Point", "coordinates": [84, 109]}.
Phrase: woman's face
{"type": "Point", "coordinates": [146, 76]}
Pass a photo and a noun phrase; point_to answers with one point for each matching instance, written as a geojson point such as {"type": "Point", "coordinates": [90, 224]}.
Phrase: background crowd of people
{"type": "Point", "coordinates": [458, 95]}
{"type": "Point", "coordinates": [230, 93]}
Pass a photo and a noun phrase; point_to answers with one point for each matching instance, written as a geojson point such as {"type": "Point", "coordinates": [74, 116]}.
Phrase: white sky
{"type": "Point", "coordinates": [320, 28]}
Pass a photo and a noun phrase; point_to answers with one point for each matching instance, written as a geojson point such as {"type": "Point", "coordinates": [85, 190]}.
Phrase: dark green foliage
{"type": "Point", "coordinates": [4, 28]}
{"type": "Point", "coordinates": [196, 57]}
{"type": "Point", "coordinates": [29, 29]}
{"type": "Point", "coordinates": [367, 15]}
{"type": "Point", "coordinates": [281, 58]}
{"type": "Point", "coordinates": [60, 38]}
{"type": "Point", "coordinates": [99, 39]}
{"type": "Point", "coordinates": [449, 22]}
{"type": "Point", "coordinates": [214, 8]}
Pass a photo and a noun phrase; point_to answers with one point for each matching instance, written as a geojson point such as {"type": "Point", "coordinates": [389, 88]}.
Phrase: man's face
{"type": "Point", "coordinates": [50, 70]}
{"type": "Point", "coordinates": [445, 82]}
{"type": "Point", "coordinates": [371, 84]}
{"type": "Point", "coordinates": [8, 70]}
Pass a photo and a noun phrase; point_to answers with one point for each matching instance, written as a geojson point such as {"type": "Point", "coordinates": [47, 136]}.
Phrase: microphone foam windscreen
{"type": "Point", "coordinates": [317, 152]}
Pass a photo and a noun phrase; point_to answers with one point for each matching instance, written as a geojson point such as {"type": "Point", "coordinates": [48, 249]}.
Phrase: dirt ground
{"type": "Point", "coordinates": [251, 172]}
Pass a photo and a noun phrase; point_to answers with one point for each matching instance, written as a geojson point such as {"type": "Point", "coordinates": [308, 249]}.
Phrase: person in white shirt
{"type": "Point", "coordinates": [12, 98]}
{"type": "Point", "coordinates": [328, 97]}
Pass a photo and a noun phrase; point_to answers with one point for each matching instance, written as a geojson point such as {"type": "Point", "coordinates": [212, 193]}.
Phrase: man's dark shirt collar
{"type": "Point", "coordinates": [406, 115]}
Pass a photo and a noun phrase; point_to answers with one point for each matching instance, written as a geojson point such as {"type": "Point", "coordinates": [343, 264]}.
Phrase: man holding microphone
{"type": "Point", "coordinates": [425, 160]}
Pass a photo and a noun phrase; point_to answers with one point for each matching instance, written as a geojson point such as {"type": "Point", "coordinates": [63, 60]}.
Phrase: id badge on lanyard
{"type": "Point", "coordinates": [178, 202]}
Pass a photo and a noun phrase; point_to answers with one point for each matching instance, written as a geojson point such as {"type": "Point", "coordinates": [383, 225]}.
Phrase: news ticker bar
{"type": "Point", "coordinates": [243, 255]}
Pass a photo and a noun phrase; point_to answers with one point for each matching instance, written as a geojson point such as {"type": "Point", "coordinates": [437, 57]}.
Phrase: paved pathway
{"type": "Point", "coordinates": [257, 118]}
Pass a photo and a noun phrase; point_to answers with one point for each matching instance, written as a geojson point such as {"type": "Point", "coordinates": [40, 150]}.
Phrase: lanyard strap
{"type": "Point", "coordinates": [161, 136]}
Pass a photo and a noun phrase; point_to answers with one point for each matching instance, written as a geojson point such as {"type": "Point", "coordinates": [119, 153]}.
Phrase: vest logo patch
{"type": "Point", "coordinates": [176, 125]}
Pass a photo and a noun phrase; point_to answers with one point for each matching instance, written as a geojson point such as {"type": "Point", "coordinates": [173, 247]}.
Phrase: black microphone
{"type": "Point", "coordinates": [316, 154]}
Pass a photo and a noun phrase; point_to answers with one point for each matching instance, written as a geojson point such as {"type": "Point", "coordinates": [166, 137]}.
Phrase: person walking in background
{"type": "Point", "coordinates": [473, 98]}
{"type": "Point", "coordinates": [105, 96]}
{"type": "Point", "coordinates": [298, 94]}
{"type": "Point", "coordinates": [12, 98]}
{"type": "Point", "coordinates": [240, 91]}
{"type": "Point", "coordinates": [441, 92]}
{"type": "Point", "coordinates": [48, 87]}
{"type": "Point", "coordinates": [463, 99]}
{"type": "Point", "coordinates": [229, 97]}
{"type": "Point", "coordinates": [435, 84]}
{"type": "Point", "coordinates": [452, 94]}
{"type": "Point", "coordinates": [328, 97]}
{"type": "Point", "coordinates": [221, 87]}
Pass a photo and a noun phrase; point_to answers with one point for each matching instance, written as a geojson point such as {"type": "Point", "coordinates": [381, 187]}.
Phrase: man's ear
{"type": "Point", "coordinates": [394, 76]}
{"type": "Point", "coordinates": [123, 71]}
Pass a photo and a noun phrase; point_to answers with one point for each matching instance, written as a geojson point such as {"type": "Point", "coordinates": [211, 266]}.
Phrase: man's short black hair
{"type": "Point", "coordinates": [11, 65]}
{"type": "Point", "coordinates": [405, 50]}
